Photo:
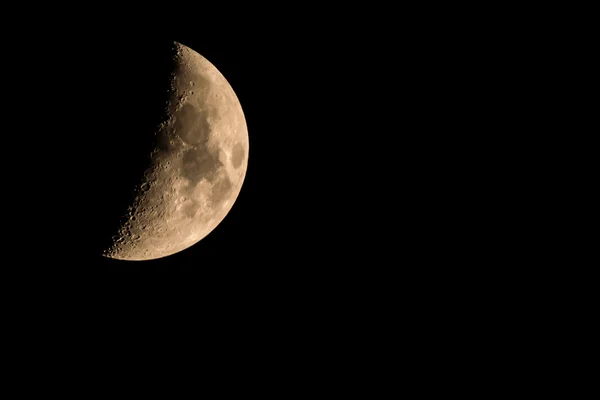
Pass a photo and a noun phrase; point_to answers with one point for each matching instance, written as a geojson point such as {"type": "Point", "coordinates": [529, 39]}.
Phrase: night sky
{"type": "Point", "coordinates": [375, 188]}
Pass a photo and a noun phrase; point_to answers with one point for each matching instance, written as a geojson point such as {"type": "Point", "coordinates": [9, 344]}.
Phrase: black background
{"type": "Point", "coordinates": [362, 191]}
{"type": "Point", "coordinates": [368, 211]}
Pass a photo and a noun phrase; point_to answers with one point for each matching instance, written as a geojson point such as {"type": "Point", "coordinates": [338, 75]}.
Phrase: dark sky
{"type": "Point", "coordinates": [361, 176]}
{"type": "Point", "coordinates": [367, 191]}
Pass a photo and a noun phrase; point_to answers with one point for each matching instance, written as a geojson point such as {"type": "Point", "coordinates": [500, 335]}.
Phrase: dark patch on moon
{"type": "Point", "coordinates": [192, 125]}
{"type": "Point", "coordinates": [238, 155]}
{"type": "Point", "coordinates": [220, 190]}
{"type": "Point", "coordinates": [189, 209]}
{"type": "Point", "coordinates": [200, 163]}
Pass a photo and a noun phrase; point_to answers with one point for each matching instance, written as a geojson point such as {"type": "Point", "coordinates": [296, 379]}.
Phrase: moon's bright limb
{"type": "Point", "coordinates": [197, 169]}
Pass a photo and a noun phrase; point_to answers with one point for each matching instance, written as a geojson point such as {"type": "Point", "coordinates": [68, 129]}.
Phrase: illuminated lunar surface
{"type": "Point", "coordinates": [196, 170]}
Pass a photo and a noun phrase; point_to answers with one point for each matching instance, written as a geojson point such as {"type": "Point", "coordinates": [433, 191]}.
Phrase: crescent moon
{"type": "Point", "coordinates": [197, 167]}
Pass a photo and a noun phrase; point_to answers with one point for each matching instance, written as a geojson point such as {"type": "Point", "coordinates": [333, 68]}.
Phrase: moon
{"type": "Point", "coordinates": [196, 169]}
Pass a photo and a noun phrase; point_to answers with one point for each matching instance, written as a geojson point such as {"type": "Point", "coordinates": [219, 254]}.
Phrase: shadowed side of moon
{"type": "Point", "coordinates": [118, 108]}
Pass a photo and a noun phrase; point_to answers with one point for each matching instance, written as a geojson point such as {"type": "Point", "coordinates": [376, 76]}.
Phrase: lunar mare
{"type": "Point", "coordinates": [196, 170]}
